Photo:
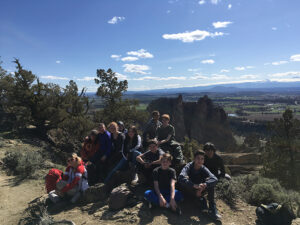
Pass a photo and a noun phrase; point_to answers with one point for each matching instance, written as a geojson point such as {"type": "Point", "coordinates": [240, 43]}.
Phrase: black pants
{"type": "Point", "coordinates": [188, 190]}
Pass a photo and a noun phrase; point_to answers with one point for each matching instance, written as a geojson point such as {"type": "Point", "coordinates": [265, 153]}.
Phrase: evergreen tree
{"type": "Point", "coordinates": [282, 151]}
{"type": "Point", "coordinates": [115, 108]}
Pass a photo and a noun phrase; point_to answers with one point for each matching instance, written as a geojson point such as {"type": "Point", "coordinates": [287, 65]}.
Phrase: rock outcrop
{"type": "Point", "coordinates": [201, 120]}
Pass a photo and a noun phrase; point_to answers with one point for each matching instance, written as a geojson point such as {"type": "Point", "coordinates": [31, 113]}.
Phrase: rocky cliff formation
{"type": "Point", "coordinates": [201, 120]}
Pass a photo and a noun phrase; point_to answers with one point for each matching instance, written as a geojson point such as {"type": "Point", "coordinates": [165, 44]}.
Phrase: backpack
{"type": "Point", "coordinates": [51, 179]}
{"type": "Point", "coordinates": [274, 214]}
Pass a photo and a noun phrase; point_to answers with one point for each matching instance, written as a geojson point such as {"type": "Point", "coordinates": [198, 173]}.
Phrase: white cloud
{"type": "Point", "coordinates": [295, 58]}
{"type": "Point", "coordinates": [224, 71]}
{"type": "Point", "coordinates": [54, 78]}
{"type": "Point", "coordinates": [293, 79]}
{"type": "Point", "coordinates": [219, 77]}
{"type": "Point", "coordinates": [170, 67]}
{"type": "Point", "coordinates": [159, 78]}
{"type": "Point", "coordinates": [285, 74]}
{"type": "Point", "coordinates": [215, 2]}
{"type": "Point", "coordinates": [198, 76]}
{"type": "Point", "coordinates": [239, 68]}
{"type": "Point", "coordinates": [208, 61]}
{"type": "Point", "coordinates": [196, 35]}
{"type": "Point", "coordinates": [133, 68]}
{"type": "Point", "coordinates": [201, 2]}
{"type": "Point", "coordinates": [229, 6]}
{"type": "Point", "coordinates": [248, 76]}
{"type": "Point", "coordinates": [194, 70]}
{"type": "Point", "coordinates": [279, 63]}
{"type": "Point", "coordinates": [116, 19]}
{"type": "Point", "coordinates": [121, 76]}
{"type": "Point", "coordinates": [274, 28]}
{"type": "Point", "coordinates": [129, 59]}
{"type": "Point", "coordinates": [142, 53]}
{"type": "Point", "coordinates": [116, 57]}
{"type": "Point", "coordinates": [220, 24]}
{"type": "Point", "coordinates": [58, 61]}
{"type": "Point", "coordinates": [86, 79]}
{"type": "Point", "coordinates": [249, 67]}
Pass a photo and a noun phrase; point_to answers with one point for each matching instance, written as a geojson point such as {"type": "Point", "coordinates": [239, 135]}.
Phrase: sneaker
{"type": "Point", "coordinates": [178, 211]}
{"type": "Point", "coordinates": [213, 213]}
{"type": "Point", "coordinates": [135, 179]}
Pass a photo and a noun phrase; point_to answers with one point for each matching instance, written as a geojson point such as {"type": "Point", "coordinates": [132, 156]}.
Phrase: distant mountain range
{"type": "Point", "coordinates": [262, 86]}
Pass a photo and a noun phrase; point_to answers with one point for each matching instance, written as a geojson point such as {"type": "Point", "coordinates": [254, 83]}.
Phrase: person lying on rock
{"type": "Point", "coordinates": [149, 160]}
{"type": "Point", "coordinates": [131, 149]}
{"type": "Point", "coordinates": [164, 193]}
{"type": "Point", "coordinates": [90, 146]}
{"type": "Point", "coordinates": [196, 179]}
{"type": "Point", "coordinates": [74, 181]}
{"type": "Point", "coordinates": [166, 140]}
{"type": "Point", "coordinates": [151, 128]}
{"type": "Point", "coordinates": [213, 161]}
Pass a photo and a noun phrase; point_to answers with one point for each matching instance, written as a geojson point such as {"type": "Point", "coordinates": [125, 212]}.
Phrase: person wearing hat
{"type": "Point", "coordinates": [213, 161]}
{"type": "Point", "coordinates": [166, 140]}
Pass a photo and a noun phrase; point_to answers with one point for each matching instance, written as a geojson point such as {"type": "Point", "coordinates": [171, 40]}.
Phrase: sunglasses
{"type": "Point", "coordinates": [70, 160]}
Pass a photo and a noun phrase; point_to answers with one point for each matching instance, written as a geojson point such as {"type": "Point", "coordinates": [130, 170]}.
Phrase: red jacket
{"type": "Point", "coordinates": [73, 176]}
{"type": "Point", "coordinates": [88, 150]}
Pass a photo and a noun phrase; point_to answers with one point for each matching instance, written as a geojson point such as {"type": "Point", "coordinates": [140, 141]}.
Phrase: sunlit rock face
{"type": "Point", "coordinates": [201, 120]}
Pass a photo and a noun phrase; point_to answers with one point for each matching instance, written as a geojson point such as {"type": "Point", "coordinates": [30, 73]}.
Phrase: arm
{"type": "Point", "coordinates": [165, 140]}
{"type": "Point", "coordinates": [107, 144]}
{"type": "Point", "coordinates": [211, 179]}
{"type": "Point", "coordinates": [139, 158]}
{"type": "Point", "coordinates": [222, 168]}
{"type": "Point", "coordinates": [138, 145]}
{"type": "Point", "coordinates": [184, 178]}
{"type": "Point", "coordinates": [156, 162]}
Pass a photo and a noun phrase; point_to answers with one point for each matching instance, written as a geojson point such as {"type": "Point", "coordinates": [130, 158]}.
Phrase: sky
{"type": "Point", "coordinates": [154, 44]}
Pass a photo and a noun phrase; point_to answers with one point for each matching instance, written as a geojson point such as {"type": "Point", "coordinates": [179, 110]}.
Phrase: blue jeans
{"type": "Point", "coordinates": [151, 196]}
{"type": "Point", "coordinates": [123, 163]}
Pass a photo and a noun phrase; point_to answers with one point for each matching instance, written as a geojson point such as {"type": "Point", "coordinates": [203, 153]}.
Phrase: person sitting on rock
{"type": "Point", "coordinates": [117, 141]}
{"type": "Point", "coordinates": [164, 193]}
{"type": "Point", "coordinates": [166, 140]}
{"type": "Point", "coordinates": [74, 181]}
{"type": "Point", "coordinates": [151, 128]}
{"type": "Point", "coordinates": [213, 161]}
{"type": "Point", "coordinates": [122, 128]}
{"type": "Point", "coordinates": [149, 160]}
{"type": "Point", "coordinates": [131, 149]}
{"type": "Point", "coordinates": [195, 179]}
{"type": "Point", "coordinates": [99, 160]}
{"type": "Point", "coordinates": [90, 146]}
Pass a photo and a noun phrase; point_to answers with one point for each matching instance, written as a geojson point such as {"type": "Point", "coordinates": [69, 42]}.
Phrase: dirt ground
{"type": "Point", "coordinates": [15, 196]}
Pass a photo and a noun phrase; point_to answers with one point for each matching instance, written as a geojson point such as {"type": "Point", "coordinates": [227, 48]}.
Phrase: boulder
{"type": "Point", "coordinates": [119, 196]}
{"type": "Point", "coordinates": [95, 193]}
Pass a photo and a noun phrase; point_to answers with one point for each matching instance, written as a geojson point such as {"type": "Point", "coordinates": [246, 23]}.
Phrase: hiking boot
{"type": "Point", "coordinates": [214, 214]}
{"type": "Point", "coordinates": [135, 179]}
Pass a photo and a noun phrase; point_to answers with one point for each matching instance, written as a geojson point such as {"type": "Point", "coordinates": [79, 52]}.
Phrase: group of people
{"type": "Point", "coordinates": [156, 158]}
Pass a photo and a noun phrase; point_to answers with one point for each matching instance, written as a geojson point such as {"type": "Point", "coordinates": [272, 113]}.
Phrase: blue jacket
{"type": "Point", "coordinates": [105, 146]}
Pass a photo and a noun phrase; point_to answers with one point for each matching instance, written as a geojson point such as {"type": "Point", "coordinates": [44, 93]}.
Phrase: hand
{"type": "Point", "coordinates": [173, 204]}
{"type": "Point", "coordinates": [202, 186]}
{"type": "Point", "coordinates": [196, 186]}
{"type": "Point", "coordinates": [162, 201]}
{"type": "Point", "coordinates": [88, 163]}
{"type": "Point", "coordinates": [103, 158]}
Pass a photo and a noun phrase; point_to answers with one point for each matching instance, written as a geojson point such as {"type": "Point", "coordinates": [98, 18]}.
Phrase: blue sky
{"type": "Point", "coordinates": [154, 44]}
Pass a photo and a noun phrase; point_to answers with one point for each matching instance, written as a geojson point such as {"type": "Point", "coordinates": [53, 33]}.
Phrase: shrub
{"type": "Point", "coordinates": [262, 194]}
{"type": "Point", "coordinates": [22, 164]}
{"type": "Point", "coordinates": [226, 190]}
